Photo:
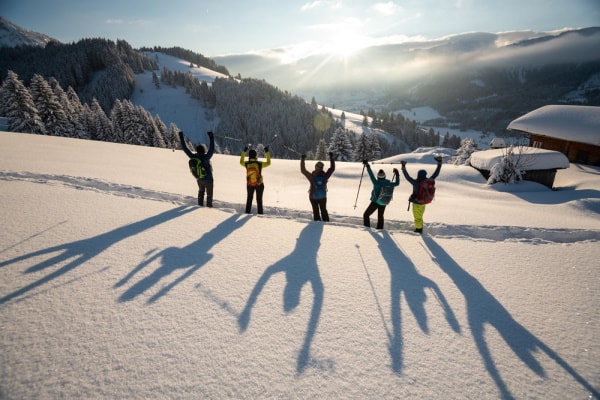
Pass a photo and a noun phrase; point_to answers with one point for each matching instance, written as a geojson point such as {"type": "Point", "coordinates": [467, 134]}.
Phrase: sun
{"type": "Point", "coordinates": [345, 43]}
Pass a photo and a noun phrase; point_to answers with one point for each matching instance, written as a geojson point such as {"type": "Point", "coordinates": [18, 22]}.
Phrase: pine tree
{"type": "Point", "coordinates": [75, 114]}
{"type": "Point", "coordinates": [341, 145]}
{"type": "Point", "coordinates": [103, 129]}
{"type": "Point", "coordinates": [321, 152]}
{"type": "Point", "coordinates": [117, 120]}
{"type": "Point", "coordinates": [361, 149]}
{"type": "Point", "coordinates": [172, 136]}
{"type": "Point", "coordinates": [374, 146]}
{"type": "Point", "coordinates": [163, 132]}
{"type": "Point", "coordinates": [18, 106]}
{"type": "Point", "coordinates": [49, 107]}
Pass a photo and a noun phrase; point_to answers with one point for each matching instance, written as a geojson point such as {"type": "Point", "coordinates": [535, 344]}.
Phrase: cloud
{"type": "Point", "coordinates": [117, 21]}
{"type": "Point", "coordinates": [389, 8]}
{"type": "Point", "coordinates": [320, 3]}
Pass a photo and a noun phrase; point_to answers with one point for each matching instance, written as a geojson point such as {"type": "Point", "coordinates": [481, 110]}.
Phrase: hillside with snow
{"type": "Point", "coordinates": [114, 284]}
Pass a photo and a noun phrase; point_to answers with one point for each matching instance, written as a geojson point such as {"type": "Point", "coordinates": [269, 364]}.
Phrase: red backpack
{"type": "Point", "coordinates": [426, 191]}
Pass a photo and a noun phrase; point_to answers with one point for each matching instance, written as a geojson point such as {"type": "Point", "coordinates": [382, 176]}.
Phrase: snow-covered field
{"type": "Point", "coordinates": [113, 284]}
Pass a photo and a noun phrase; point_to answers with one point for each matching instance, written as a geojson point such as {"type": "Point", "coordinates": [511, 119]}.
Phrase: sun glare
{"type": "Point", "coordinates": [344, 44]}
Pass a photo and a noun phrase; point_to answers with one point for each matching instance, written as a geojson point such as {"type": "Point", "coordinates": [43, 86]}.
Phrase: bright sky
{"type": "Point", "coordinates": [218, 27]}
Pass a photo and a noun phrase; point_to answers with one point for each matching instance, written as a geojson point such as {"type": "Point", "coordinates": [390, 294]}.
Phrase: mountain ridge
{"type": "Point", "coordinates": [12, 35]}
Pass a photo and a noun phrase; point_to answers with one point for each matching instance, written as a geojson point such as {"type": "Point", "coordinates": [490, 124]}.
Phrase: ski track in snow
{"type": "Point", "coordinates": [468, 232]}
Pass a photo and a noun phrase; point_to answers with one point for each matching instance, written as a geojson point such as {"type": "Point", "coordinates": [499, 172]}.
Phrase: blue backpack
{"type": "Point", "coordinates": [320, 186]}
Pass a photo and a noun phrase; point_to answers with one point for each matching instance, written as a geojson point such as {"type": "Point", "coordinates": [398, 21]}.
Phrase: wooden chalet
{"type": "Point", "coordinates": [571, 130]}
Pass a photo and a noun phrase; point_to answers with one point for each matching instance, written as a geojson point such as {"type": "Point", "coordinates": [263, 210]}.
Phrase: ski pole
{"type": "Point", "coordinates": [292, 150]}
{"type": "Point", "coordinates": [228, 137]}
{"type": "Point", "coordinates": [359, 183]}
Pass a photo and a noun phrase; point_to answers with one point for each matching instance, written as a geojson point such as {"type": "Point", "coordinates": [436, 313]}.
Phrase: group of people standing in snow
{"type": "Point", "coordinates": [381, 194]}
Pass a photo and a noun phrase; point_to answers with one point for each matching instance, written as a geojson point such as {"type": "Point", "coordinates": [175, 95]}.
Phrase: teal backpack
{"type": "Point", "coordinates": [386, 194]}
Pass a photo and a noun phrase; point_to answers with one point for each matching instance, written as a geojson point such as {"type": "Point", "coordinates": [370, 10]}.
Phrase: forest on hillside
{"type": "Point", "coordinates": [83, 89]}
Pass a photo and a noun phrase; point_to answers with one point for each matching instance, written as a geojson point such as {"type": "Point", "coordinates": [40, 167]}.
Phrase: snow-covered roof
{"type": "Point", "coordinates": [574, 123]}
{"type": "Point", "coordinates": [530, 158]}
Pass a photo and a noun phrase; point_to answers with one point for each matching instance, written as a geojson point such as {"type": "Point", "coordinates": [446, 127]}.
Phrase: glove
{"type": "Point", "coordinates": [365, 162]}
{"type": "Point", "coordinates": [266, 149]}
{"type": "Point", "coordinates": [245, 149]}
{"type": "Point", "coordinates": [303, 156]}
{"type": "Point", "coordinates": [210, 134]}
{"type": "Point", "coordinates": [330, 154]}
{"type": "Point", "coordinates": [438, 159]}
{"type": "Point", "coordinates": [396, 171]}
{"type": "Point", "coordinates": [403, 163]}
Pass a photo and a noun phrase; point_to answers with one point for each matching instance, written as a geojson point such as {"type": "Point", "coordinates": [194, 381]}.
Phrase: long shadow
{"type": "Point", "coordinates": [483, 309]}
{"type": "Point", "coordinates": [405, 278]}
{"type": "Point", "coordinates": [193, 257]}
{"type": "Point", "coordinates": [560, 196]}
{"type": "Point", "coordinates": [300, 267]}
{"type": "Point", "coordinates": [83, 250]}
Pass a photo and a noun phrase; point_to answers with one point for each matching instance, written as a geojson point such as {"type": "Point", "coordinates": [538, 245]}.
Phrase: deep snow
{"type": "Point", "coordinates": [113, 284]}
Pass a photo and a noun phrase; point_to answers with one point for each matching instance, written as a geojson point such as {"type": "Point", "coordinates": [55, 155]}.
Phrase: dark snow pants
{"type": "Point", "coordinates": [259, 198]}
{"type": "Point", "coordinates": [370, 210]}
{"type": "Point", "coordinates": [319, 207]}
{"type": "Point", "coordinates": [205, 186]}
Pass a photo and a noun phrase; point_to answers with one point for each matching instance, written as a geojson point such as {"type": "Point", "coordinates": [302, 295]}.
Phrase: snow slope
{"type": "Point", "coordinates": [172, 104]}
{"type": "Point", "coordinates": [113, 284]}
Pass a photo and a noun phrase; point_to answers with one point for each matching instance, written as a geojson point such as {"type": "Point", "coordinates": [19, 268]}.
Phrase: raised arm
{"type": "Point", "coordinates": [268, 155]}
{"type": "Point", "coordinates": [373, 179]}
{"type": "Point", "coordinates": [184, 147]}
{"type": "Point", "coordinates": [439, 167]}
{"type": "Point", "coordinates": [303, 167]}
{"type": "Point", "coordinates": [243, 157]}
{"type": "Point", "coordinates": [405, 173]}
{"type": "Point", "coordinates": [211, 144]}
{"type": "Point", "coordinates": [331, 166]}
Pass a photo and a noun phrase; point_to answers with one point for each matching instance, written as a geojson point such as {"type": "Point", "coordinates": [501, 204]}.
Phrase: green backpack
{"type": "Point", "coordinates": [197, 168]}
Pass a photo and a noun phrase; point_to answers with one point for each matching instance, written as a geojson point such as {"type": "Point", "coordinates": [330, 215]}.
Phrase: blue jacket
{"type": "Point", "coordinates": [205, 158]}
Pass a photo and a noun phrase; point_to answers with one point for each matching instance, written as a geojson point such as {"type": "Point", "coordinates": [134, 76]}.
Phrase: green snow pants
{"type": "Point", "coordinates": [418, 211]}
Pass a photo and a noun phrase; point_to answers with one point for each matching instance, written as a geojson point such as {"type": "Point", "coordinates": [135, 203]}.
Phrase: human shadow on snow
{"type": "Point", "coordinates": [300, 267]}
{"type": "Point", "coordinates": [483, 309]}
{"type": "Point", "coordinates": [190, 258]}
{"type": "Point", "coordinates": [81, 251]}
{"type": "Point", "coordinates": [404, 278]}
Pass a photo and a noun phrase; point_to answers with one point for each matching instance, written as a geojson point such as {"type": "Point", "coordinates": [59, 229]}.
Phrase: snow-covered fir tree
{"type": "Point", "coordinates": [321, 151]}
{"type": "Point", "coordinates": [361, 148]}
{"type": "Point", "coordinates": [463, 154]}
{"type": "Point", "coordinates": [102, 128]}
{"type": "Point", "coordinates": [374, 146]}
{"type": "Point", "coordinates": [171, 138]}
{"type": "Point", "coordinates": [367, 147]}
{"type": "Point", "coordinates": [75, 113]}
{"type": "Point", "coordinates": [341, 145]}
{"type": "Point", "coordinates": [49, 108]}
{"type": "Point", "coordinates": [17, 105]}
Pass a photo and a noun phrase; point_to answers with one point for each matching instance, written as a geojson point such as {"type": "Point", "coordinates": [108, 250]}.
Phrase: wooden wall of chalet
{"type": "Point", "coordinates": [576, 152]}
{"type": "Point", "coordinates": [543, 176]}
